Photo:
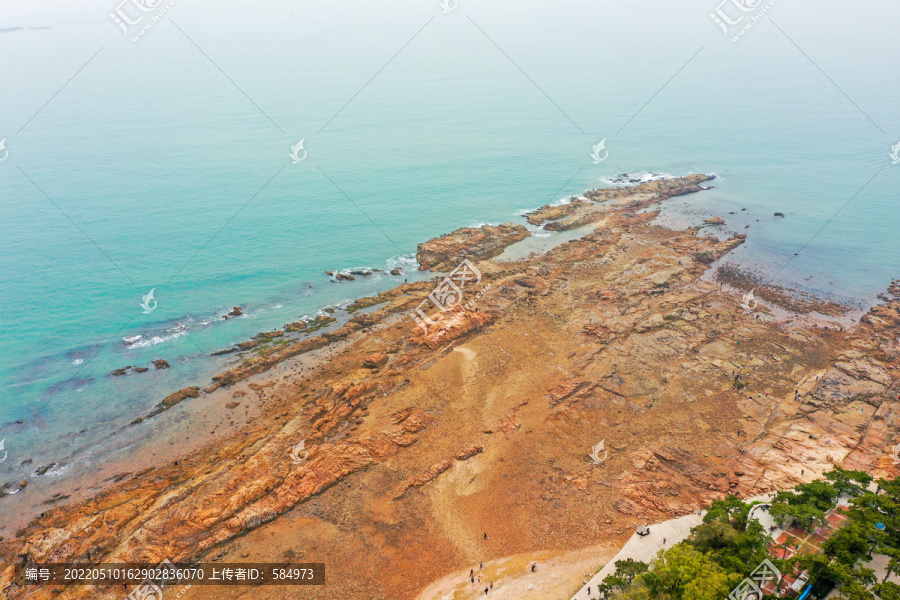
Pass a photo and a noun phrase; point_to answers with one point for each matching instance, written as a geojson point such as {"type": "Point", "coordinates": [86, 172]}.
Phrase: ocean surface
{"type": "Point", "coordinates": [164, 164]}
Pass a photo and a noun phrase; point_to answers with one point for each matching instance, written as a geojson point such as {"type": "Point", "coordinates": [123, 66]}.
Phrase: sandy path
{"type": "Point", "coordinates": [556, 576]}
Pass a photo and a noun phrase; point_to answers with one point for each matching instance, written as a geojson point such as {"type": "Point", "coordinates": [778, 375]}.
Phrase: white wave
{"type": "Point", "coordinates": [538, 231]}
{"type": "Point", "coordinates": [483, 224]}
{"type": "Point", "coordinates": [157, 339]}
{"type": "Point", "coordinates": [635, 178]}
{"type": "Point", "coordinates": [77, 361]}
{"type": "Point", "coordinates": [404, 262]}
{"type": "Point", "coordinates": [132, 339]}
{"type": "Point", "coordinates": [524, 211]}
{"type": "Point", "coordinates": [56, 471]}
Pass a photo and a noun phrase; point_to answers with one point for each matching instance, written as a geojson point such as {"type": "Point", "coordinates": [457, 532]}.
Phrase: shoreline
{"type": "Point", "coordinates": [333, 426]}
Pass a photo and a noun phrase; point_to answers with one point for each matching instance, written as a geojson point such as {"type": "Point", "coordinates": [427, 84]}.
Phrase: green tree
{"type": "Point", "coordinates": [887, 590]}
{"type": "Point", "coordinates": [629, 568]}
{"type": "Point", "coordinates": [730, 510]}
{"type": "Point", "coordinates": [806, 504]}
{"type": "Point", "coordinates": [849, 482]}
{"type": "Point", "coordinates": [856, 591]}
{"type": "Point", "coordinates": [849, 543]}
{"type": "Point", "coordinates": [683, 573]}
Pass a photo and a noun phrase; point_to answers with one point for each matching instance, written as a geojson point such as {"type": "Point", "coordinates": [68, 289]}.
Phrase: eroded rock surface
{"type": "Point", "coordinates": [475, 243]}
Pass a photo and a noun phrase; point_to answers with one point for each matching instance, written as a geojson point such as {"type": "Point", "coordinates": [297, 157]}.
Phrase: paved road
{"type": "Point", "coordinates": [644, 548]}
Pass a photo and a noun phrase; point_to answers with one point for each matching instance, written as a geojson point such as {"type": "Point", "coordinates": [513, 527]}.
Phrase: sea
{"type": "Point", "coordinates": [164, 162]}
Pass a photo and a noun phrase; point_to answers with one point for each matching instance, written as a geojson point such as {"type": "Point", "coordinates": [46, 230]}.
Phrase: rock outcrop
{"type": "Point", "coordinates": [446, 252]}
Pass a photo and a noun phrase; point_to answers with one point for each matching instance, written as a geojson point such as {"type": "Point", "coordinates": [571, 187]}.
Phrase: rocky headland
{"type": "Point", "coordinates": [431, 447]}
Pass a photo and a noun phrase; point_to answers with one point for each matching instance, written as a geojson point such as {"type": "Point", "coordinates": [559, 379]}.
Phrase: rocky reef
{"type": "Point", "coordinates": [431, 448]}
{"type": "Point", "coordinates": [475, 243]}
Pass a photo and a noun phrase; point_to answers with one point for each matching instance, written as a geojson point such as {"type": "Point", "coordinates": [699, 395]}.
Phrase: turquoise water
{"type": "Point", "coordinates": [162, 175]}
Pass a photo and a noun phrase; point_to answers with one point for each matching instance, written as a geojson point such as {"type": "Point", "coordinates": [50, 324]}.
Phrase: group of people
{"type": "Point", "coordinates": [472, 575]}
{"type": "Point", "coordinates": [488, 588]}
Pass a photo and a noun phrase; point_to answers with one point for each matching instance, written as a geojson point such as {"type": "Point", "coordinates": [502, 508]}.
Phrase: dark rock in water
{"type": "Point", "coordinates": [27, 461]}
{"type": "Point", "coordinates": [779, 214]}
{"type": "Point", "coordinates": [329, 273]}
{"type": "Point", "coordinates": [237, 311]}
{"type": "Point", "coordinates": [343, 277]}
{"type": "Point", "coordinates": [120, 372]}
{"type": "Point", "coordinates": [247, 345]}
{"type": "Point", "coordinates": [225, 351]}
{"type": "Point", "coordinates": [363, 273]}
{"type": "Point", "coordinates": [715, 221]}
{"type": "Point", "coordinates": [141, 369]}
{"type": "Point", "coordinates": [295, 326]}
{"type": "Point", "coordinates": [396, 272]}
{"type": "Point", "coordinates": [268, 335]}
{"type": "Point", "coordinates": [160, 364]}
{"type": "Point", "coordinates": [743, 209]}
{"type": "Point", "coordinates": [42, 470]}
{"type": "Point", "coordinates": [173, 399]}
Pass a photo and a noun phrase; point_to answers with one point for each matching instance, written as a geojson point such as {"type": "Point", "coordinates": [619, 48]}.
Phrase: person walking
{"type": "Point", "coordinates": [485, 591]}
{"type": "Point", "coordinates": [533, 567]}
{"type": "Point", "coordinates": [485, 535]}
{"type": "Point", "coordinates": [471, 572]}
